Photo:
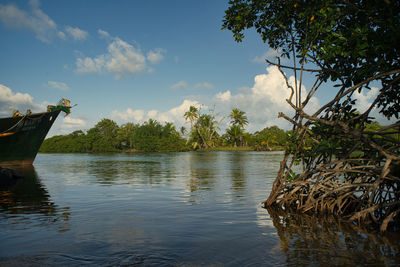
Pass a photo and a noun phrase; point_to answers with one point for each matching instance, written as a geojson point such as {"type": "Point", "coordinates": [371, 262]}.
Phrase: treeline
{"type": "Point", "coordinates": [107, 136]}
{"type": "Point", "coordinates": [152, 136]}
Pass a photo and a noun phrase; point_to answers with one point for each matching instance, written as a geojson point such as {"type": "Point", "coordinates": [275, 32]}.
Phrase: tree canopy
{"type": "Point", "coordinates": [107, 136]}
{"type": "Point", "coordinates": [152, 136]}
{"type": "Point", "coordinates": [348, 41]}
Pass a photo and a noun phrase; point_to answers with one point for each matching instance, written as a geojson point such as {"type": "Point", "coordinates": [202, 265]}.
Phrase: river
{"type": "Point", "coordinates": [169, 209]}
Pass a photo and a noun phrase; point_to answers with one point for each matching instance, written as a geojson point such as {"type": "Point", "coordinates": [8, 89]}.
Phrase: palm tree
{"type": "Point", "coordinates": [234, 133]}
{"type": "Point", "coordinates": [238, 118]}
{"type": "Point", "coordinates": [192, 114]}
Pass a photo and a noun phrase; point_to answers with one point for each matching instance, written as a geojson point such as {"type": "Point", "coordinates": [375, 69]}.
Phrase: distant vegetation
{"type": "Point", "coordinates": [152, 136]}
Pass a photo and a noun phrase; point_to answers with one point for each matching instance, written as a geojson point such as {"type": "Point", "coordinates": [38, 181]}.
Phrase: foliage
{"type": "Point", "coordinates": [233, 135]}
{"type": "Point", "coordinates": [103, 136]}
{"type": "Point", "coordinates": [152, 136]}
{"type": "Point", "coordinates": [203, 128]}
{"type": "Point", "coordinates": [350, 165]}
{"type": "Point", "coordinates": [236, 131]}
{"type": "Point", "coordinates": [268, 137]}
{"type": "Point", "coordinates": [107, 136]}
{"type": "Point", "coordinates": [238, 118]}
{"type": "Point", "coordinates": [350, 41]}
{"type": "Point", "coordinates": [74, 142]}
{"type": "Point", "coordinates": [192, 115]}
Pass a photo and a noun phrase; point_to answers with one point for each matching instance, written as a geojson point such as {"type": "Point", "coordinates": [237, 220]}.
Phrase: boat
{"type": "Point", "coordinates": [22, 135]}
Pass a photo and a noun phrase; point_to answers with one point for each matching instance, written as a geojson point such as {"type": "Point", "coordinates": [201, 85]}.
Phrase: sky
{"type": "Point", "coordinates": [130, 61]}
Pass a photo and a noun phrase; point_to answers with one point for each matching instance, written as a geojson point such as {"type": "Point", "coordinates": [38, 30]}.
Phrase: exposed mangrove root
{"type": "Point", "coordinates": [350, 165]}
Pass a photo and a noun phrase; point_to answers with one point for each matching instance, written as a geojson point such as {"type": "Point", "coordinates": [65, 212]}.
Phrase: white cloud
{"type": "Point", "coordinates": [121, 59]}
{"type": "Point", "coordinates": [35, 20]}
{"type": "Point", "coordinates": [88, 65]}
{"type": "Point", "coordinates": [66, 125]}
{"type": "Point", "coordinates": [124, 59]}
{"type": "Point", "coordinates": [174, 115]}
{"type": "Point", "coordinates": [10, 101]}
{"type": "Point", "coordinates": [364, 101]}
{"type": "Point", "coordinates": [179, 85]}
{"type": "Point", "coordinates": [58, 85]}
{"type": "Point", "coordinates": [61, 35]}
{"type": "Point", "coordinates": [270, 54]}
{"type": "Point", "coordinates": [156, 55]}
{"type": "Point", "coordinates": [69, 123]}
{"type": "Point", "coordinates": [224, 96]}
{"type": "Point", "coordinates": [76, 33]}
{"type": "Point", "coordinates": [103, 34]}
{"type": "Point", "coordinates": [129, 114]}
{"type": "Point", "coordinates": [206, 85]}
{"type": "Point", "coordinates": [261, 102]}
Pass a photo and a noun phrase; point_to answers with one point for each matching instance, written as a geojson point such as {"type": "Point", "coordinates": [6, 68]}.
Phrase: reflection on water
{"type": "Point", "coordinates": [202, 177]}
{"type": "Point", "coordinates": [331, 242]}
{"type": "Point", "coordinates": [168, 209]}
{"type": "Point", "coordinates": [28, 202]}
{"type": "Point", "coordinates": [237, 167]}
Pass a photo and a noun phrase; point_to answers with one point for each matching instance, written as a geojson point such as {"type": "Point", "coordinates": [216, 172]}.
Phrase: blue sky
{"type": "Point", "coordinates": [134, 60]}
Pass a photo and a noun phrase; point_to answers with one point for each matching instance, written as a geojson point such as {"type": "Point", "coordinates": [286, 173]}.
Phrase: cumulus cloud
{"type": "Point", "coordinates": [270, 54]}
{"type": "Point", "coordinates": [89, 65]}
{"type": "Point", "coordinates": [66, 125]}
{"type": "Point", "coordinates": [76, 33]}
{"type": "Point", "coordinates": [224, 97]}
{"type": "Point", "coordinates": [129, 115]}
{"type": "Point", "coordinates": [125, 59]}
{"type": "Point", "coordinates": [61, 35]}
{"type": "Point", "coordinates": [261, 102]}
{"type": "Point", "coordinates": [10, 101]}
{"type": "Point", "coordinates": [103, 34]}
{"type": "Point", "coordinates": [36, 21]}
{"type": "Point", "coordinates": [183, 85]}
{"type": "Point", "coordinates": [364, 100]}
{"type": "Point", "coordinates": [179, 85]}
{"type": "Point", "coordinates": [205, 85]}
{"type": "Point", "coordinates": [58, 85]}
{"type": "Point", "coordinates": [156, 55]}
{"type": "Point", "coordinates": [174, 115]}
{"type": "Point", "coordinates": [69, 123]}
{"type": "Point", "coordinates": [121, 59]}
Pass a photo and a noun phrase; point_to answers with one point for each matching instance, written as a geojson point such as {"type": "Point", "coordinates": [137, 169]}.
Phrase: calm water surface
{"type": "Point", "coordinates": [169, 209]}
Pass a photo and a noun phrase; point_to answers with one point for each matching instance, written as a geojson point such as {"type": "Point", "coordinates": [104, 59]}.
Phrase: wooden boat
{"type": "Point", "coordinates": [22, 135]}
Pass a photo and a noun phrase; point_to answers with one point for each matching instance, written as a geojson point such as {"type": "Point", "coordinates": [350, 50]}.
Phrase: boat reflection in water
{"type": "Point", "coordinates": [27, 200]}
{"type": "Point", "coordinates": [328, 241]}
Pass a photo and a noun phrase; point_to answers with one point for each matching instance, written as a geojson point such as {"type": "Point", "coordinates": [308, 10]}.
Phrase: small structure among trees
{"type": "Point", "coordinates": [349, 168]}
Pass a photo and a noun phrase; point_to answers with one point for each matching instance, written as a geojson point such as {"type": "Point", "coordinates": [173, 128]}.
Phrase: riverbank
{"type": "Point", "coordinates": [238, 149]}
{"type": "Point", "coordinates": [212, 149]}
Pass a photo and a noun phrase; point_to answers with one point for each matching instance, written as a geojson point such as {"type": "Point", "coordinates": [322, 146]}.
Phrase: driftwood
{"type": "Point", "coordinates": [348, 169]}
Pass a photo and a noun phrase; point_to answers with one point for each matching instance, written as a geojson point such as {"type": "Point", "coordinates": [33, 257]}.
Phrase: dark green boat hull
{"type": "Point", "coordinates": [21, 137]}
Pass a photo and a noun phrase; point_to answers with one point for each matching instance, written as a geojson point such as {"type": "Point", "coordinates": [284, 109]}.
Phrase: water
{"type": "Point", "coordinates": [169, 209]}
